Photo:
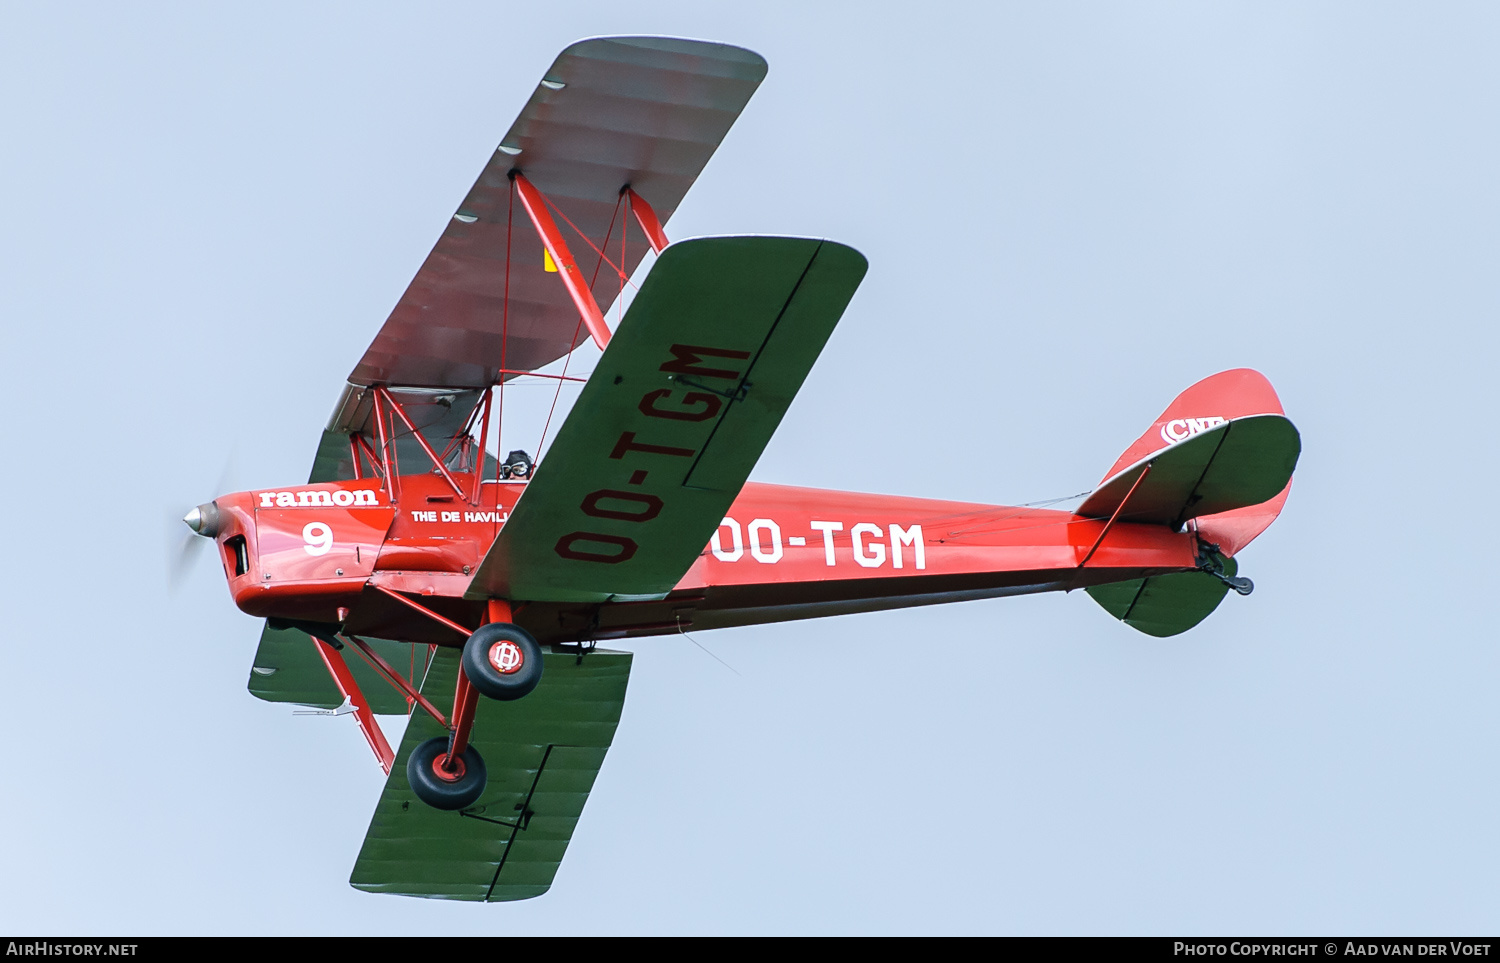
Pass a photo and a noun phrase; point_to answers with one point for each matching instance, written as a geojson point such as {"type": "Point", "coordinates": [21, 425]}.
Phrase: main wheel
{"type": "Point", "coordinates": [503, 661]}
{"type": "Point", "coordinates": [441, 788]}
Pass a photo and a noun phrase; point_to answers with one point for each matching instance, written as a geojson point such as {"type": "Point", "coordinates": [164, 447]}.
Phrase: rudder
{"type": "Point", "coordinates": [1223, 447]}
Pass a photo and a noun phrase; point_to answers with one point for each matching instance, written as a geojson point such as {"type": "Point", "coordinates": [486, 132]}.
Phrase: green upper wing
{"type": "Point", "coordinates": [542, 754]}
{"type": "Point", "coordinates": [677, 412]}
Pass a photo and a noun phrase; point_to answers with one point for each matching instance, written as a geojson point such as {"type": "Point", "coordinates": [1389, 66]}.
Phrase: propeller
{"type": "Point", "coordinates": [184, 549]}
{"type": "Point", "coordinates": [182, 553]}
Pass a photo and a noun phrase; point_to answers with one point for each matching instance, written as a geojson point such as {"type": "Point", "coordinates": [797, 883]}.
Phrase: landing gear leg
{"type": "Point", "coordinates": [501, 660]}
{"type": "Point", "coordinates": [448, 773]}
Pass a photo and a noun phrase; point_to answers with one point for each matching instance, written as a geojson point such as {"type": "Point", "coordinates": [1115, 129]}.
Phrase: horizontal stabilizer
{"type": "Point", "coordinates": [1164, 605]}
{"type": "Point", "coordinates": [1238, 463]}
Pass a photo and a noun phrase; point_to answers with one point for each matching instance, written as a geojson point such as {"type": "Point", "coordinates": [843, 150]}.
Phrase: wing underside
{"type": "Point", "coordinates": [287, 669]}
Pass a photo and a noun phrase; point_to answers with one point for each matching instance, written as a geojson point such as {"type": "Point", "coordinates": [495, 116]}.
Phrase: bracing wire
{"type": "Point", "coordinates": [700, 645]}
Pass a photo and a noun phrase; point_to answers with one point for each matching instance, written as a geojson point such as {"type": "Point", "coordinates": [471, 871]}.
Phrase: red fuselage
{"type": "Point", "coordinates": [320, 553]}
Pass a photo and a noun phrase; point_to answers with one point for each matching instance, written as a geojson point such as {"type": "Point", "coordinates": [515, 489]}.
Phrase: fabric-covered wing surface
{"type": "Point", "coordinates": [542, 754]}
{"type": "Point", "coordinates": [647, 112]}
{"type": "Point", "coordinates": [287, 669]}
{"type": "Point", "coordinates": [673, 419]}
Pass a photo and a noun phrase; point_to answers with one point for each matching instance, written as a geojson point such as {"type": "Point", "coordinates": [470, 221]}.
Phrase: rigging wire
{"type": "Point", "coordinates": [683, 633]}
{"type": "Point", "coordinates": [1054, 501]}
{"type": "Point", "coordinates": [624, 233]}
{"type": "Point", "coordinates": [618, 270]}
{"type": "Point", "coordinates": [625, 230]}
{"type": "Point", "coordinates": [607, 234]}
{"type": "Point", "coordinates": [548, 424]}
{"type": "Point", "coordinates": [510, 212]}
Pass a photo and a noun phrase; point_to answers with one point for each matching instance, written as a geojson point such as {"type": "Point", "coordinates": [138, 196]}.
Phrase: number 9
{"type": "Point", "coordinates": [319, 538]}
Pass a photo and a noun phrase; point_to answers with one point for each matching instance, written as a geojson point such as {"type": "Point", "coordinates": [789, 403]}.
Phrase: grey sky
{"type": "Point", "coordinates": [1071, 213]}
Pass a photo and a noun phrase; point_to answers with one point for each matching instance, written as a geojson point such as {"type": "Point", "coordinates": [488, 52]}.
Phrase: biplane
{"type": "Point", "coordinates": [418, 573]}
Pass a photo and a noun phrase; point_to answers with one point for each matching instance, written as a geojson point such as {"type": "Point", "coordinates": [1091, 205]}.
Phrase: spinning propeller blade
{"type": "Point", "coordinates": [184, 550]}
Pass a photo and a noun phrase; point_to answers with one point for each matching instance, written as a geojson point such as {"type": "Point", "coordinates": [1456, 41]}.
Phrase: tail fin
{"type": "Point", "coordinates": [1222, 446]}
{"type": "Point", "coordinates": [1219, 459]}
{"type": "Point", "coordinates": [1209, 403]}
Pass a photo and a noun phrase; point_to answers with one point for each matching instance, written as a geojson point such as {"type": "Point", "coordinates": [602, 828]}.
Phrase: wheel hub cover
{"type": "Point", "coordinates": [506, 657]}
{"type": "Point", "coordinates": [449, 775]}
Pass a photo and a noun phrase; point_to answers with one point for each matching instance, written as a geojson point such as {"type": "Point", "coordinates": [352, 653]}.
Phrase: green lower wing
{"type": "Point", "coordinates": [674, 417]}
{"type": "Point", "coordinates": [542, 754]}
{"type": "Point", "coordinates": [1164, 605]}
{"type": "Point", "coordinates": [1242, 462]}
{"type": "Point", "coordinates": [287, 669]}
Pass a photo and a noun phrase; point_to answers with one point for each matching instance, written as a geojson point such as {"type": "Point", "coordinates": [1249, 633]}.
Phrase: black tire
{"type": "Point", "coordinates": [438, 791]}
{"type": "Point", "coordinates": [491, 649]}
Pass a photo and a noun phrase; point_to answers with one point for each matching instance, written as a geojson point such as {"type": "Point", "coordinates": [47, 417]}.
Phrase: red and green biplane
{"type": "Point", "coordinates": [416, 573]}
